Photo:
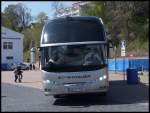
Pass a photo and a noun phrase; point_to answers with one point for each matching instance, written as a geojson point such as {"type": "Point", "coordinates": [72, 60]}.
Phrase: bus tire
{"type": "Point", "coordinates": [56, 96]}
{"type": "Point", "coordinates": [103, 93]}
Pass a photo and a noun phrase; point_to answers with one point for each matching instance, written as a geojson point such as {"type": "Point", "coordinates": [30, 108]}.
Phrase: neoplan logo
{"type": "Point", "coordinates": [71, 77]}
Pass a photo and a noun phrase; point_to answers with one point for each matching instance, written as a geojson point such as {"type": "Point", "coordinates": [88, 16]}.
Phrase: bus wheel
{"type": "Point", "coordinates": [103, 93]}
{"type": "Point", "coordinates": [56, 96]}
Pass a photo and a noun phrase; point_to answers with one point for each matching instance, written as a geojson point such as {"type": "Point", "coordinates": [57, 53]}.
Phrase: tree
{"type": "Point", "coordinates": [56, 6]}
{"type": "Point", "coordinates": [127, 19]}
{"type": "Point", "coordinates": [140, 17]}
{"type": "Point", "coordinates": [95, 9]}
{"type": "Point", "coordinates": [18, 15]}
{"type": "Point", "coordinates": [9, 13]}
{"type": "Point", "coordinates": [32, 38]}
{"type": "Point", "coordinates": [42, 17]}
{"type": "Point", "coordinates": [123, 20]}
{"type": "Point", "coordinates": [23, 15]}
{"type": "Point", "coordinates": [119, 13]}
{"type": "Point", "coordinates": [33, 34]}
{"type": "Point", "coordinates": [5, 21]}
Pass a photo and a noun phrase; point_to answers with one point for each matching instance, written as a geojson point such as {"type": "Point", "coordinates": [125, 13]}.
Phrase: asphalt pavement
{"type": "Point", "coordinates": [29, 96]}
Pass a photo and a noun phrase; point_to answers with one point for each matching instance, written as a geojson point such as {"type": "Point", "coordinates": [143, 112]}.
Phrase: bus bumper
{"type": "Point", "coordinates": [65, 89]}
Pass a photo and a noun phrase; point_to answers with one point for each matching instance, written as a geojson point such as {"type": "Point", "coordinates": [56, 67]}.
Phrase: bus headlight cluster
{"type": "Point", "coordinates": [49, 82]}
{"type": "Point", "coordinates": [103, 77]}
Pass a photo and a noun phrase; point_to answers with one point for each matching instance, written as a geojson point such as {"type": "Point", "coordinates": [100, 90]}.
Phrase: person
{"type": "Point", "coordinates": [33, 67]}
{"type": "Point", "coordinates": [92, 57]}
{"type": "Point", "coordinates": [18, 74]}
{"type": "Point", "coordinates": [30, 66]}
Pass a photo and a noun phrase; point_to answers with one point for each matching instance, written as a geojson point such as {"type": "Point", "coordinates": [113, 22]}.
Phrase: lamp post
{"type": "Point", "coordinates": [32, 55]}
{"type": "Point", "coordinates": [123, 54]}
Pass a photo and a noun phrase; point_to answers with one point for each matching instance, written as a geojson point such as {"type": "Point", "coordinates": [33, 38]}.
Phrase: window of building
{"type": "Point", "coordinates": [4, 45]}
{"type": "Point", "coordinates": [7, 45]}
{"type": "Point", "coordinates": [9, 57]}
{"type": "Point", "coordinates": [10, 45]}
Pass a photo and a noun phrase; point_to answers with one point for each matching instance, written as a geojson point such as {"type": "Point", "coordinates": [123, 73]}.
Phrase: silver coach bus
{"type": "Point", "coordinates": [74, 55]}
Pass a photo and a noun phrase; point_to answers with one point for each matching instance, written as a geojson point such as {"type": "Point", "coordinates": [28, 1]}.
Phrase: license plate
{"type": "Point", "coordinates": [71, 90]}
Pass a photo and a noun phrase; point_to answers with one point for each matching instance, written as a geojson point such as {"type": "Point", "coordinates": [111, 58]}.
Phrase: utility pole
{"type": "Point", "coordinates": [115, 59]}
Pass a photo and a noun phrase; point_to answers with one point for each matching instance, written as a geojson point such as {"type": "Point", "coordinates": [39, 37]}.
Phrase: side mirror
{"type": "Point", "coordinates": [39, 48]}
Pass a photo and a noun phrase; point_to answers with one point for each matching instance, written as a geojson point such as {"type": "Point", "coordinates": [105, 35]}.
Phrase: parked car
{"type": "Point", "coordinates": [22, 65]}
{"type": "Point", "coordinates": [12, 67]}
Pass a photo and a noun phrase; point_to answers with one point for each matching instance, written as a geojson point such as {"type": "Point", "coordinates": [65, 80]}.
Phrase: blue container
{"type": "Point", "coordinates": [3, 66]}
{"type": "Point", "coordinates": [132, 76]}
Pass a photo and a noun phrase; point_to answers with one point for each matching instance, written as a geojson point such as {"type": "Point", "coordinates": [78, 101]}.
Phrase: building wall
{"type": "Point", "coordinates": [75, 10]}
{"type": "Point", "coordinates": [8, 35]}
{"type": "Point", "coordinates": [71, 11]}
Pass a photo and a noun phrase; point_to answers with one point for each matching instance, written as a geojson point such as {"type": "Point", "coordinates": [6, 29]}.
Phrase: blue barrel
{"type": "Point", "coordinates": [132, 76]}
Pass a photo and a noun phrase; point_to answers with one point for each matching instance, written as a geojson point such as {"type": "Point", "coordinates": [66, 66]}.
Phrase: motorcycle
{"type": "Point", "coordinates": [18, 74]}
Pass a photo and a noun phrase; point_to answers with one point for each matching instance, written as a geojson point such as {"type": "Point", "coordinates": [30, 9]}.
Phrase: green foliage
{"type": "Point", "coordinates": [56, 6]}
{"type": "Point", "coordinates": [36, 33]}
{"type": "Point", "coordinates": [41, 17]}
{"type": "Point", "coordinates": [11, 16]}
{"type": "Point", "coordinates": [142, 30]}
{"type": "Point", "coordinates": [123, 20]}
{"type": "Point", "coordinates": [33, 33]}
{"type": "Point", "coordinates": [26, 55]}
{"type": "Point", "coordinates": [94, 9]}
{"type": "Point", "coordinates": [27, 39]}
{"type": "Point", "coordinates": [5, 21]}
{"type": "Point", "coordinates": [16, 17]}
{"type": "Point", "coordinates": [138, 48]}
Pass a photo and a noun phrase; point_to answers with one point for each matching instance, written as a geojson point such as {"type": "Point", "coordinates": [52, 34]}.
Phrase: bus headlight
{"type": "Point", "coordinates": [46, 81]}
{"type": "Point", "coordinates": [49, 82]}
{"type": "Point", "coordinates": [102, 77]}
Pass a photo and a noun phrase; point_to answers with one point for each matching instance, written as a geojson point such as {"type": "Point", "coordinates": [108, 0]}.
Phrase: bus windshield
{"type": "Point", "coordinates": [72, 31]}
{"type": "Point", "coordinates": [74, 57]}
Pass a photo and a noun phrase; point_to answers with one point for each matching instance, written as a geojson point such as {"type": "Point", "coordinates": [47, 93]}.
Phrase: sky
{"type": "Point", "coordinates": [36, 6]}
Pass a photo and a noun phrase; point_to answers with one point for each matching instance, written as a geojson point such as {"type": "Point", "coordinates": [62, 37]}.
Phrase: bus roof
{"type": "Point", "coordinates": [54, 30]}
{"type": "Point", "coordinates": [84, 18]}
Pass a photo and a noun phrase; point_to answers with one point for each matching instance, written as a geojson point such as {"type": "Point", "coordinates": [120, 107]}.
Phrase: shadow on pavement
{"type": "Point", "coordinates": [119, 93]}
{"type": "Point", "coordinates": [19, 91]}
{"type": "Point", "coordinates": [32, 82]}
{"type": "Point", "coordinates": [21, 98]}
